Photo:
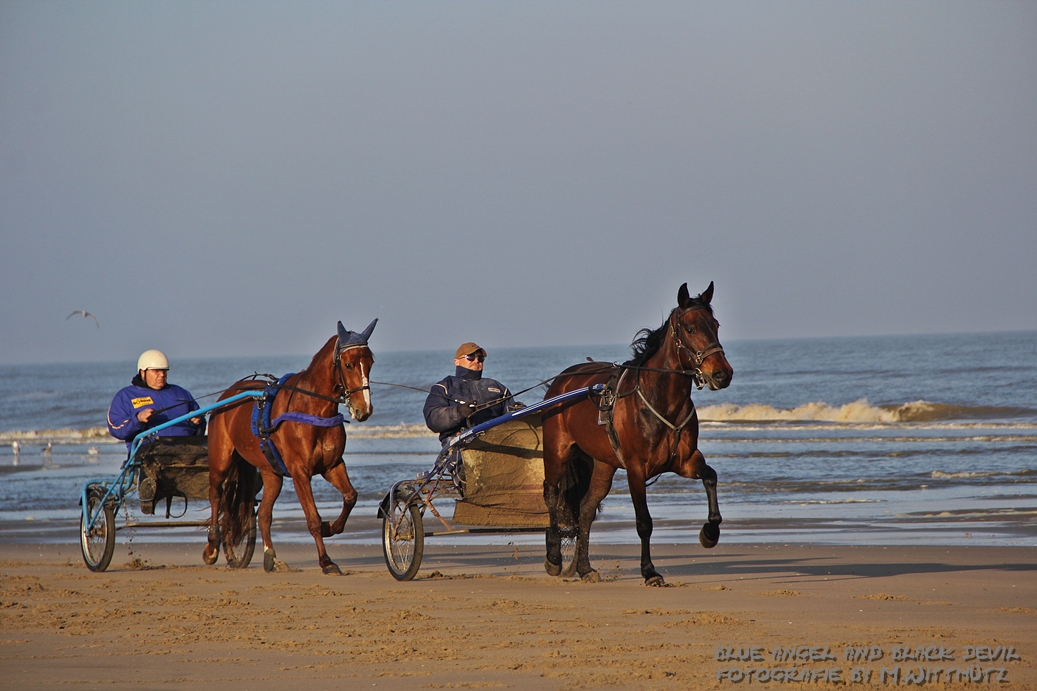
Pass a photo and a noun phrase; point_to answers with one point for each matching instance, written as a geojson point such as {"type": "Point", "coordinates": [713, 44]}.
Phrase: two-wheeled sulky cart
{"type": "Point", "coordinates": [158, 468]}
{"type": "Point", "coordinates": [497, 486]}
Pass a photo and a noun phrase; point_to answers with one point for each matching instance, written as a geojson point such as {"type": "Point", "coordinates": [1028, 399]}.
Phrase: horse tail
{"type": "Point", "coordinates": [237, 500]}
{"type": "Point", "coordinates": [574, 485]}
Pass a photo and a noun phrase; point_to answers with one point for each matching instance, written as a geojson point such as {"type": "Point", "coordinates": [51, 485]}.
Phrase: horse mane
{"type": "Point", "coordinates": [647, 342]}
{"type": "Point", "coordinates": [321, 354]}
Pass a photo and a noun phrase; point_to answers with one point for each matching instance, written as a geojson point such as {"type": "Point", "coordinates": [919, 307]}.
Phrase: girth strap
{"type": "Point", "coordinates": [607, 411]}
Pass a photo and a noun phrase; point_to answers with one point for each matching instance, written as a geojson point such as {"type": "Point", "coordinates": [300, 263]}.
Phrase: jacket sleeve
{"type": "Point", "coordinates": [193, 406]}
{"type": "Point", "coordinates": [122, 418]}
{"type": "Point", "coordinates": [511, 404]}
{"type": "Point", "coordinates": [440, 411]}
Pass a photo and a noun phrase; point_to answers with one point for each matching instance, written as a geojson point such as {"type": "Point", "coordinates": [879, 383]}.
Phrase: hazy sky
{"type": "Point", "coordinates": [219, 178]}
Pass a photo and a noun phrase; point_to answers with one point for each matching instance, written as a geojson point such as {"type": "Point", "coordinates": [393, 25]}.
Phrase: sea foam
{"type": "Point", "coordinates": [859, 411]}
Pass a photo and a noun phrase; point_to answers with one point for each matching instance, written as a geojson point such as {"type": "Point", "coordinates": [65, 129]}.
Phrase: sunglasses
{"type": "Point", "coordinates": [475, 358]}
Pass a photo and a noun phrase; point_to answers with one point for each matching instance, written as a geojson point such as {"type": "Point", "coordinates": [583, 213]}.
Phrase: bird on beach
{"type": "Point", "coordinates": [85, 314]}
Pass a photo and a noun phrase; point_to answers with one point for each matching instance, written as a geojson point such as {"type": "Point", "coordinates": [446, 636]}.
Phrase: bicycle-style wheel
{"type": "Point", "coordinates": [97, 540]}
{"type": "Point", "coordinates": [239, 555]}
{"type": "Point", "coordinates": [403, 540]}
{"type": "Point", "coordinates": [570, 537]}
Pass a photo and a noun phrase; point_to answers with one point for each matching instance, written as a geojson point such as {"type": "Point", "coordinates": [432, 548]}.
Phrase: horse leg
{"type": "Point", "coordinates": [553, 559]}
{"type": "Point", "coordinates": [709, 536]}
{"type": "Point", "coordinates": [556, 463]}
{"type": "Point", "coordinates": [695, 467]}
{"type": "Point", "coordinates": [272, 484]}
{"type": "Point", "coordinates": [220, 461]}
{"type": "Point", "coordinates": [211, 552]}
{"type": "Point", "coordinates": [313, 524]}
{"type": "Point", "coordinates": [639, 497]}
{"type": "Point", "coordinates": [600, 484]}
{"type": "Point", "coordinates": [339, 478]}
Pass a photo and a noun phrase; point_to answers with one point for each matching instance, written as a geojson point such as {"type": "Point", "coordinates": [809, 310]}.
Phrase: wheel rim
{"type": "Point", "coordinates": [568, 546]}
{"type": "Point", "coordinates": [401, 538]}
{"type": "Point", "coordinates": [96, 538]}
{"type": "Point", "coordinates": [240, 555]}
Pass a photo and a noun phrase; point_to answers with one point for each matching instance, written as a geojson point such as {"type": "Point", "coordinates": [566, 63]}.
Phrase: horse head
{"type": "Point", "coordinates": [694, 331]}
{"type": "Point", "coordinates": [353, 362]}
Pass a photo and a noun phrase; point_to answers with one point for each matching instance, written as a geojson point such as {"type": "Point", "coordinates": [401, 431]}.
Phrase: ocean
{"type": "Point", "coordinates": [867, 440]}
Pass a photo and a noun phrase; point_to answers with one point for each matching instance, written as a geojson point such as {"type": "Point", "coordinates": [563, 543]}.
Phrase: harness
{"type": "Point", "coordinates": [606, 403]}
{"type": "Point", "coordinates": [263, 426]}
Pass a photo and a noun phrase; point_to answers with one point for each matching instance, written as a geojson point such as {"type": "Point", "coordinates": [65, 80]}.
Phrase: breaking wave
{"type": "Point", "coordinates": [857, 412]}
{"type": "Point", "coordinates": [99, 435]}
{"type": "Point", "coordinates": [860, 411]}
{"type": "Point", "coordinates": [61, 436]}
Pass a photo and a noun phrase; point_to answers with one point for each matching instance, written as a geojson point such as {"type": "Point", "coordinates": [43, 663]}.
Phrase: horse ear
{"type": "Point", "coordinates": [366, 335]}
{"type": "Point", "coordinates": [682, 296]}
{"type": "Point", "coordinates": [343, 334]}
{"type": "Point", "coordinates": [707, 294]}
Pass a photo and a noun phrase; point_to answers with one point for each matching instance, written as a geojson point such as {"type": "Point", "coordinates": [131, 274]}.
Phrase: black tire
{"type": "Point", "coordinates": [97, 542]}
{"type": "Point", "coordinates": [403, 540]}
{"type": "Point", "coordinates": [249, 541]}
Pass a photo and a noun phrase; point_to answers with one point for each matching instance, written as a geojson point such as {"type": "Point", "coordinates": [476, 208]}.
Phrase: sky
{"type": "Point", "coordinates": [224, 178]}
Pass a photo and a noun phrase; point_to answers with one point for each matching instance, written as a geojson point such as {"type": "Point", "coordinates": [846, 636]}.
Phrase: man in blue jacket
{"type": "Point", "coordinates": [149, 401]}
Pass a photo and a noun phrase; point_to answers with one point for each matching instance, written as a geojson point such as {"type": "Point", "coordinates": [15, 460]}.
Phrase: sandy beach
{"type": "Point", "coordinates": [488, 617]}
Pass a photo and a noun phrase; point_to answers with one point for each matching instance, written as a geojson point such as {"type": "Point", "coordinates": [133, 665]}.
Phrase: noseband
{"type": "Point", "coordinates": [697, 356]}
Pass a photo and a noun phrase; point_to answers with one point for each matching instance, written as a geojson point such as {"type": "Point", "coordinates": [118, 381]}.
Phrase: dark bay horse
{"type": "Point", "coordinates": [645, 423]}
{"type": "Point", "coordinates": [338, 373]}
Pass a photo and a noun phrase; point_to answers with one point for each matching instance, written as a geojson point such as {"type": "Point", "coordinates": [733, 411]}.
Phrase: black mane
{"type": "Point", "coordinates": [647, 341]}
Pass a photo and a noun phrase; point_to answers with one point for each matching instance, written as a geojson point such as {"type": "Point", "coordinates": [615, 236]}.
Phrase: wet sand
{"type": "Point", "coordinates": [489, 617]}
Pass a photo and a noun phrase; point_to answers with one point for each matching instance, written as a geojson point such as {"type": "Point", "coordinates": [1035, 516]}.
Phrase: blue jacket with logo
{"type": "Point", "coordinates": [445, 414]}
{"type": "Point", "coordinates": [169, 402]}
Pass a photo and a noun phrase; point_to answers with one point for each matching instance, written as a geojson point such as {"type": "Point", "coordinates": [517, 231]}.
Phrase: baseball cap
{"type": "Point", "coordinates": [468, 349]}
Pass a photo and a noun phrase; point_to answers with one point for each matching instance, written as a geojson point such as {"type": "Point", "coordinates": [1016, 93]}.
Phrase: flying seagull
{"type": "Point", "coordinates": [85, 314]}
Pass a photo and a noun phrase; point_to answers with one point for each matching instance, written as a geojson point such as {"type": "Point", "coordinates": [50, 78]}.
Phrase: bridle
{"type": "Point", "coordinates": [612, 394]}
{"type": "Point", "coordinates": [346, 391]}
{"type": "Point", "coordinates": [697, 356]}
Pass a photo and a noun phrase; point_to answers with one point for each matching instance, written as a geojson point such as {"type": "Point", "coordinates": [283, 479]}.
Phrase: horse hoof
{"type": "Point", "coordinates": [570, 570]}
{"type": "Point", "coordinates": [655, 581]}
{"type": "Point", "coordinates": [332, 569]}
{"type": "Point", "coordinates": [709, 536]}
{"type": "Point", "coordinates": [552, 569]}
{"type": "Point", "coordinates": [269, 560]}
{"type": "Point", "coordinates": [591, 576]}
{"type": "Point", "coordinates": [210, 559]}
{"type": "Point", "coordinates": [325, 529]}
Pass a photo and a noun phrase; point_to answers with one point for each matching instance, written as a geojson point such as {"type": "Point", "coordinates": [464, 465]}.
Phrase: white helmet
{"type": "Point", "coordinates": [152, 359]}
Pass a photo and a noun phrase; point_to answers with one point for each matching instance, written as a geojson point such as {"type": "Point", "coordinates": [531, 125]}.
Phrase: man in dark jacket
{"type": "Point", "coordinates": [465, 399]}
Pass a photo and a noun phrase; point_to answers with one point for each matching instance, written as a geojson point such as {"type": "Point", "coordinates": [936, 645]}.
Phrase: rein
{"type": "Point", "coordinates": [314, 394]}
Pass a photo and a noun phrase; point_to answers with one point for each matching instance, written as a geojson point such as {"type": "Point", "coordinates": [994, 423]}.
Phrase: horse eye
{"type": "Point", "coordinates": [349, 365]}
{"type": "Point", "coordinates": [689, 329]}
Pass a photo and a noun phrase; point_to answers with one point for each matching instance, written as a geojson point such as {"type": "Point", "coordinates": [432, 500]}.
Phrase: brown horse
{"type": "Point", "coordinates": [338, 373]}
{"type": "Point", "coordinates": [645, 423]}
